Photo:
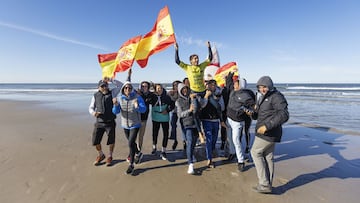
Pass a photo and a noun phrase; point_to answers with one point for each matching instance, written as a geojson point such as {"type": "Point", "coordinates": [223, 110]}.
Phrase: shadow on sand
{"type": "Point", "coordinates": [315, 141]}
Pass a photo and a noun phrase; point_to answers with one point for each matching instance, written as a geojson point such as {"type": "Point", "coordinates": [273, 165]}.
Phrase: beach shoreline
{"type": "Point", "coordinates": [46, 156]}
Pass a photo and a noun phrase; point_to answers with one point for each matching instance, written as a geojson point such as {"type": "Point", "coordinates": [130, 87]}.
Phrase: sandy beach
{"type": "Point", "coordinates": [46, 156]}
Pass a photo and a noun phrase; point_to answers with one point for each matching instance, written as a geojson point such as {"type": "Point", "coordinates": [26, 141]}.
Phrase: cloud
{"type": "Point", "coordinates": [51, 36]}
{"type": "Point", "coordinates": [283, 56]}
{"type": "Point", "coordinates": [197, 42]}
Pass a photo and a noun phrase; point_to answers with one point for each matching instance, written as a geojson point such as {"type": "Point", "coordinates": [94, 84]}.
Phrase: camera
{"type": "Point", "coordinates": [245, 109]}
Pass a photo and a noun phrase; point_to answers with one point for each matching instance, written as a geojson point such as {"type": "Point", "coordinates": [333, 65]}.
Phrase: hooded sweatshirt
{"type": "Point", "coordinates": [271, 111]}
{"type": "Point", "coordinates": [183, 105]}
{"type": "Point", "coordinates": [129, 115]}
{"type": "Point", "coordinates": [159, 104]}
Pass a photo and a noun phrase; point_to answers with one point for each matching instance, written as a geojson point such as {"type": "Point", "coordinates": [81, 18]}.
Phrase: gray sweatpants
{"type": "Point", "coordinates": [262, 153]}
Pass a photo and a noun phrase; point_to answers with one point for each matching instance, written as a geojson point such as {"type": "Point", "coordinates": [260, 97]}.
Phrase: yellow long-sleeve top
{"type": "Point", "coordinates": [195, 75]}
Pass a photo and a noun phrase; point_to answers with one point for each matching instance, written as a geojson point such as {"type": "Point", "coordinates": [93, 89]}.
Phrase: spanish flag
{"type": "Point", "coordinates": [222, 72]}
{"type": "Point", "coordinates": [159, 38]}
{"type": "Point", "coordinates": [108, 64]}
{"type": "Point", "coordinates": [126, 54]}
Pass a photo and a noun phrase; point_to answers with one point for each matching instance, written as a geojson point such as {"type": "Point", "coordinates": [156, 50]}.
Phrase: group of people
{"type": "Point", "coordinates": [202, 108]}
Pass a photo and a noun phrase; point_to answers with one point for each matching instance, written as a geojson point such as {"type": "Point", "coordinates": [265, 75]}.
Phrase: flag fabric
{"type": "Point", "coordinates": [108, 64]}
{"type": "Point", "coordinates": [216, 59]}
{"type": "Point", "coordinates": [159, 38]}
{"type": "Point", "coordinates": [210, 70]}
{"type": "Point", "coordinates": [222, 72]}
{"type": "Point", "coordinates": [126, 54]}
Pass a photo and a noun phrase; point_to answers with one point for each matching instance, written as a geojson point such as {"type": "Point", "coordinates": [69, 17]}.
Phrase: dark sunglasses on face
{"type": "Point", "coordinates": [127, 87]}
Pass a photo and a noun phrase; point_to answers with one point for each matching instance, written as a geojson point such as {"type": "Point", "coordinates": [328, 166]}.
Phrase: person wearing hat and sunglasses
{"type": "Point", "coordinates": [130, 105]}
{"type": "Point", "coordinates": [101, 108]}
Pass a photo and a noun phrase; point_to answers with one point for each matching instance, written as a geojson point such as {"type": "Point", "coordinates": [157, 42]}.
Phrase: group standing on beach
{"type": "Point", "coordinates": [201, 107]}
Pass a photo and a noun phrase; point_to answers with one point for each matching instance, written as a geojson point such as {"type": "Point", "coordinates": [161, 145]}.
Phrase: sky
{"type": "Point", "coordinates": [292, 41]}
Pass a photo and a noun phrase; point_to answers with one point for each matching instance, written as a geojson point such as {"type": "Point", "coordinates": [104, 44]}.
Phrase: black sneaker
{"type": "Point", "coordinates": [241, 167]}
{"type": "Point", "coordinates": [138, 157]}
{"type": "Point", "coordinates": [222, 147]}
{"type": "Point", "coordinates": [174, 145]}
{"type": "Point", "coordinates": [153, 151]}
{"type": "Point", "coordinates": [163, 156]}
{"type": "Point", "coordinates": [130, 169]}
{"type": "Point", "coordinates": [231, 157]}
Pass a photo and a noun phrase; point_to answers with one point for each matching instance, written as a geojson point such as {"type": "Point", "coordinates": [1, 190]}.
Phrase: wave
{"type": "Point", "coordinates": [324, 88]}
{"type": "Point", "coordinates": [45, 90]}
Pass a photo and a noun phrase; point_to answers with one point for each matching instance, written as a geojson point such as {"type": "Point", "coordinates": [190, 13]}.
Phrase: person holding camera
{"type": "Point", "coordinates": [240, 100]}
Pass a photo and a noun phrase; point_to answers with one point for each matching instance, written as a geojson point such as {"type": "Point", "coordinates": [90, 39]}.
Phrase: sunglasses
{"type": "Point", "coordinates": [127, 87]}
{"type": "Point", "coordinates": [144, 86]}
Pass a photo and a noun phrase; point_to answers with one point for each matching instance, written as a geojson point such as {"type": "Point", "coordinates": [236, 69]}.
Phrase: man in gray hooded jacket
{"type": "Point", "coordinates": [271, 111]}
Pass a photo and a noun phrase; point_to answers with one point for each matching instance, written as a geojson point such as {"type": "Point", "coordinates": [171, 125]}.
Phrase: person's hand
{"type": "Point", "coordinates": [208, 94]}
{"type": "Point", "coordinates": [192, 107]}
{"type": "Point", "coordinates": [115, 102]}
{"type": "Point", "coordinates": [106, 79]}
{"type": "Point", "coordinates": [96, 114]}
{"type": "Point", "coordinates": [192, 95]}
{"type": "Point", "coordinates": [172, 92]}
{"type": "Point", "coordinates": [222, 123]}
{"type": "Point", "coordinates": [136, 104]}
{"type": "Point", "coordinates": [248, 112]}
{"type": "Point", "coordinates": [129, 71]}
{"type": "Point", "coordinates": [208, 44]}
{"type": "Point", "coordinates": [261, 130]}
{"type": "Point", "coordinates": [176, 46]}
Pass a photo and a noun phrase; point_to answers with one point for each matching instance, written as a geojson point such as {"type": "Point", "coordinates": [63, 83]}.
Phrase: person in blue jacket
{"type": "Point", "coordinates": [130, 105]}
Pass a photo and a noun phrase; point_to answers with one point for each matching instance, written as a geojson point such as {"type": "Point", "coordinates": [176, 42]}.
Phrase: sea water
{"type": "Point", "coordinates": [327, 105]}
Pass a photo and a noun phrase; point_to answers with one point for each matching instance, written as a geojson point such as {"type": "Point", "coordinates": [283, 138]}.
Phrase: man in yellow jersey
{"type": "Point", "coordinates": [194, 70]}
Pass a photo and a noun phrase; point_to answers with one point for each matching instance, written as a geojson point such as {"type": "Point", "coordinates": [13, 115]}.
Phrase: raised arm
{"type": "Point", "coordinates": [177, 59]}
{"type": "Point", "coordinates": [210, 52]}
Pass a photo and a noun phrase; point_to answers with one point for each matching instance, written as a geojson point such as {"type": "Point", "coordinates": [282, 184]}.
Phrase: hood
{"type": "Point", "coordinates": [126, 83]}
{"type": "Point", "coordinates": [266, 81]}
{"type": "Point", "coordinates": [242, 83]}
{"type": "Point", "coordinates": [180, 87]}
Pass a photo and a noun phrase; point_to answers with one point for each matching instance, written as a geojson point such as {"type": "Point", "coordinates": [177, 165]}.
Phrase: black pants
{"type": "Point", "coordinates": [131, 135]}
{"type": "Point", "coordinates": [155, 131]}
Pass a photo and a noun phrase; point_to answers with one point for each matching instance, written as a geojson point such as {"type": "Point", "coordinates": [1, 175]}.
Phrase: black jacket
{"type": "Point", "coordinates": [271, 111]}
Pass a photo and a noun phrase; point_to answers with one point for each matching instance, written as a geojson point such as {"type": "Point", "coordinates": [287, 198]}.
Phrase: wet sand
{"type": "Point", "coordinates": [46, 156]}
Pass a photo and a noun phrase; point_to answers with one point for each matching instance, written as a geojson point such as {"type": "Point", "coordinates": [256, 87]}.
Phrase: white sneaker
{"type": "Point", "coordinates": [191, 169]}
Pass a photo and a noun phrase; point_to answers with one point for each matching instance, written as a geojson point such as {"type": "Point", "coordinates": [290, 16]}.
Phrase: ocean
{"type": "Point", "coordinates": [325, 105]}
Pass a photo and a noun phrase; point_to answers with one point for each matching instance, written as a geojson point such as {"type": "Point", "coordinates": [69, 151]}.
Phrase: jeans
{"type": "Point", "coordinates": [211, 129]}
{"type": "Point", "coordinates": [191, 136]}
{"type": "Point", "coordinates": [236, 129]}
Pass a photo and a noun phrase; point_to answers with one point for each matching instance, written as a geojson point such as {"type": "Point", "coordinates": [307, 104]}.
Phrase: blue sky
{"type": "Point", "coordinates": [290, 40]}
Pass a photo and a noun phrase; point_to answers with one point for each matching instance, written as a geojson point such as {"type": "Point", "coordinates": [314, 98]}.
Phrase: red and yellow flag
{"type": "Point", "coordinates": [108, 64]}
{"type": "Point", "coordinates": [222, 72]}
{"type": "Point", "coordinates": [159, 38]}
{"type": "Point", "coordinates": [126, 54]}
